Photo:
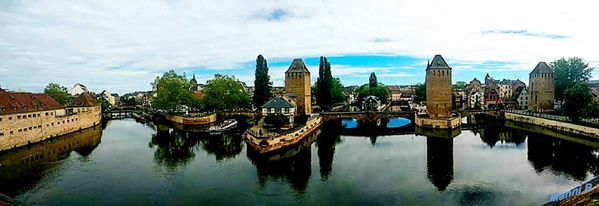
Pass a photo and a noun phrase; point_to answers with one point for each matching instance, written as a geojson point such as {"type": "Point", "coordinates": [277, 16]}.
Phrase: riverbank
{"type": "Point", "coordinates": [554, 125]}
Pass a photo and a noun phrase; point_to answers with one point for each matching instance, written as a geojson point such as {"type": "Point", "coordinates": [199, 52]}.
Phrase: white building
{"type": "Point", "coordinates": [109, 98]}
{"type": "Point", "coordinates": [521, 95]}
{"type": "Point", "coordinates": [78, 89]}
{"type": "Point", "coordinates": [475, 97]}
{"type": "Point", "coordinates": [505, 90]}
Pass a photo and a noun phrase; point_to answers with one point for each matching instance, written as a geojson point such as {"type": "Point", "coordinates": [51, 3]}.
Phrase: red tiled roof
{"type": "Point", "coordinates": [85, 99]}
{"type": "Point", "coordinates": [19, 102]}
{"type": "Point", "coordinates": [198, 94]}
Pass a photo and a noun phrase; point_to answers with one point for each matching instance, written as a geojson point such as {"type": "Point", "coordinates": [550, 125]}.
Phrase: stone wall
{"type": "Point", "coordinates": [541, 92]}
{"type": "Point", "coordinates": [277, 142]}
{"type": "Point", "coordinates": [555, 125]}
{"type": "Point", "coordinates": [299, 83]}
{"type": "Point", "coordinates": [444, 123]}
{"type": "Point", "coordinates": [24, 128]}
{"type": "Point", "coordinates": [438, 92]}
{"type": "Point", "coordinates": [192, 120]}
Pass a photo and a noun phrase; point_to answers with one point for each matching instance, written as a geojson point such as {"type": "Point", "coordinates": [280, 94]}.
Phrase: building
{"type": "Point", "coordinates": [438, 88]}
{"type": "Point", "coordinates": [194, 84]}
{"type": "Point", "coordinates": [491, 98]}
{"type": "Point", "coordinates": [395, 93]}
{"type": "Point", "coordinates": [542, 89]}
{"type": "Point", "coordinates": [350, 94]}
{"type": "Point", "coordinates": [595, 92]}
{"type": "Point", "coordinates": [280, 105]}
{"type": "Point", "coordinates": [297, 82]}
{"type": "Point", "coordinates": [505, 88]}
{"type": "Point", "coordinates": [521, 95]}
{"type": "Point", "coordinates": [476, 98]}
{"type": "Point", "coordinates": [371, 103]}
{"type": "Point", "coordinates": [28, 118]}
{"type": "Point", "coordinates": [516, 84]}
{"type": "Point", "coordinates": [78, 89]}
{"type": "Point", "coordinates": [108, 97]}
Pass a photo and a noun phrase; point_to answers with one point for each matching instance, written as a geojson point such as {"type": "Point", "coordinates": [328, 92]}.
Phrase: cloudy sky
{"type": "Point", "coordinates": [122, 46]}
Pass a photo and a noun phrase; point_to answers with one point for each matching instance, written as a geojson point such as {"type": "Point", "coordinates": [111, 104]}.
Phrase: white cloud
{"type": "Point", "coordinates": [123, 45]}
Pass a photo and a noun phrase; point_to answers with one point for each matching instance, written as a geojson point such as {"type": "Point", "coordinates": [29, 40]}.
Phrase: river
{"type": "Point", "coordinates": [126, 162]}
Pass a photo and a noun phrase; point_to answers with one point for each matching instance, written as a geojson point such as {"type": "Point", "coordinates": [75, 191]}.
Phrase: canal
{"type": "Point", "coordinates": [126, 162]}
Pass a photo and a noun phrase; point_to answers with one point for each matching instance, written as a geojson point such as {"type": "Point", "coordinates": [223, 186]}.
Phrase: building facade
{"type": "Point", "coordinates": [28, 118]}
{"type": "Point", "coordinates": [280, 105]}
{"type": "Point", "coordinates": [297, 82]}
{"type": "Point", "coordinates": [541, 89]}
{"type": "Point", "coordinates": [438, 88]}
{"type": "Point", "coordinates": [78, 89]}
{"type": "Point", "coordinates": [109, 98]}
{"type": "Point", "coordinates": [521, 95]}
{"type": "Point", "coordinates": [371, 103]}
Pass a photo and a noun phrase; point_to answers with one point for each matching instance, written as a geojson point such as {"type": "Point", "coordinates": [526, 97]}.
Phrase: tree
{"type": "Point", "coordinates": [380, 91]}
{"type": "Point", "coordinates": [324, 84]}
{"type": "Point", "coordinates": [277, 120]}
{"type": "Point", "coordinates": [58, 93]}
{"type": "Point", "coordinates": [103, 104]}
{"type": "Point", "coordinates": [262, 83]}
{"type": "Point", "coordinates": [420, 95]}
{"type": "Point", "coordinates": [172, 91]}
{"type": "Point", "coordinates": [592, 110]}
{"type": "Point", "coordinates": [568, 73]}
{"type": "Point", "coordinates": [225, 93]}
{"type": "Point", "coordinates": [459, 85]}
{"type": "Point", "coordinates": [576, 99]}
{"type": "Point", "coordinates": [372, 81]}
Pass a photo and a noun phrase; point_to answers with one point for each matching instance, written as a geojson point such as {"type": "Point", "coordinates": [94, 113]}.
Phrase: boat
{"type": "Point", "coordinates": [225, 125]}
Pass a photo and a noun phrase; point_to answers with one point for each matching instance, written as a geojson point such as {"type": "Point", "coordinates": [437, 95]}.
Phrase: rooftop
{"type": "Point", "coordinates": [278, 102]}
{"type": "Point", "coordinates": [297, 66]}
{"type": "Point", "coordinates": [19, 102]}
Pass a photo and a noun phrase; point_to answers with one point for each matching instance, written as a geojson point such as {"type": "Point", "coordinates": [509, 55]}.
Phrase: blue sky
{"type": "Point", "coordinates": [121, 46]}
{"type": "Point", "coordinates": [355, 69]}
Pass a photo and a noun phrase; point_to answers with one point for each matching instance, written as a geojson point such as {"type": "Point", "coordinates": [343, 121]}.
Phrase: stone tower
{"type": "Point", "coordinates": [542, 89]}
{"type": "Point", "coordinates": [438, 88]}
{"type": "Point", "coordinates": [297, 82]}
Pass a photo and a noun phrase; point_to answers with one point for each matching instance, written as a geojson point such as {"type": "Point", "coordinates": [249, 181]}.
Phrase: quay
{"type": "Point", "coordinates": [276, 142]}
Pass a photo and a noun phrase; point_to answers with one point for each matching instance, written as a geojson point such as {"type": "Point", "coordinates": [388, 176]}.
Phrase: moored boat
{"type": "Point", "coordinates": [225, 125]}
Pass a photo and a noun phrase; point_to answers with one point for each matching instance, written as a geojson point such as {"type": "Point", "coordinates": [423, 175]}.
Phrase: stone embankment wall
{"type": "Point", "coordinates": [207, 119]}
{"type": "Point", "coordinates": [21, 129]}
{"type": "Point", "coordinates": [441, 123]}
{"type": "Point", "coordinates": [555, 125]}
{"type": "Point", "coordinates": [277, 142]}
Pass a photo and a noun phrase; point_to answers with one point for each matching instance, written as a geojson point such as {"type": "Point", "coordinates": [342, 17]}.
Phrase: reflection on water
{"type": "Point", "coordinates": [439, 161]}
{"type": "Point", "coordinates": [562, 157]}
{"type": "Point", "coordinates": [485, 164]}
{"type": "Point", "coordinates": [21, 169]}
{"type": "Point", "coordinates": [398, 122]}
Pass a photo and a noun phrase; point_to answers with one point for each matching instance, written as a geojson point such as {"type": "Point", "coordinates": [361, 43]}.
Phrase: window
{"type": "Point", "coordinates": [24, 130]}
{"type": "Point", "coordinates": [9, 118]}
{"type": "Point", "coordinates": [1, 134]}
{"type": "Point", "coordinates": [0, 119]}
{"type": "Point", "coordinates": [46, 114]}
{"type": "Point", "coordinates": [29, 115]}
{"type": "Point", "coordinates": [20, 130]}
{"type": "Point", "coordinates": [11, 132]}
{"type": "Point", "coordinates": [29, 128]}
{"type": "Point", "coordinates": [18, 116]}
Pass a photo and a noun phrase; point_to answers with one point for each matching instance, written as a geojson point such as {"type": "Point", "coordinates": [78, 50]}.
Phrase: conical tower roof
{"type": "Point", "coordinates": [541, 67]}
{"type": "Point", "coordinates": [438, 63]}
{"type": "Point", "coordinates": [297, 66]}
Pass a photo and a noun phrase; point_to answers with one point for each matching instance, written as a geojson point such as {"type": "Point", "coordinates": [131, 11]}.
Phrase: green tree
{"type": "Point", "coordinates": [262, 83]}
{"type": "Point", "coordinates": [420, 95]}
{"type": "Point", "coordinates": [225, 93]}
{"type": "Point", "coordinates": [324, 84]}
{"type": "Point", "coordinates": [568, 73]}
{"type": "Point", "coordinates": [103, 104]}
{"type": "Point", "coordinates": [58, 93]}
{"type": "Point", "coordinates": [380, 91]}
{"type": "Point", "coordinates": [459, 85]}
{"type": "Point", "coordinates": [172, 92]}
{"type": "Point", "coordinates": [576, 99]}
{"type": "Point", "coordinates": [592, 110]}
